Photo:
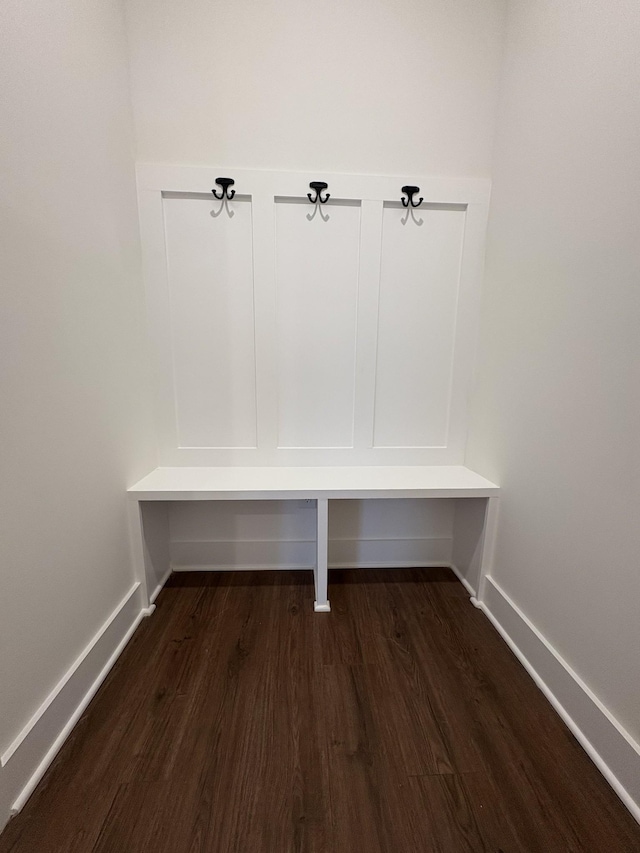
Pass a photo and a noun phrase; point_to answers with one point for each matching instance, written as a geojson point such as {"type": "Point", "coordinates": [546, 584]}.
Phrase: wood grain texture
{"type": "Point", "coordinates": [238, 721]}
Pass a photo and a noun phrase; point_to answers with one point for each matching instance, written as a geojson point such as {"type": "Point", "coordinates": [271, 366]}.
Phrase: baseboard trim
{"type": "Point", "coordinates": [401, 564]}
{"type": "Point", "coordinates": [465, 583]}
{"type": "Point", "coordinates": [612, 749]}
{"type": "Point", "coordinates": [29, 755]}
{"type": "Point", "coordinates": [242, 554]}
{"type": "Point", "coordinates": [161, 583]}
{"type": "Point", "coordinates": [239, 568]}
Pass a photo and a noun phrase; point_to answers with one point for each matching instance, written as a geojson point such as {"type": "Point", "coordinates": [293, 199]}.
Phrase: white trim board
{"type": "Point", "coordinates": [156, 592]}
{"type": "Point", "coordinates": [610, 747]}
{"type": "Point", "coordinates": [300, 483]}
{"type": "Point", "coordinates": [26, 759]}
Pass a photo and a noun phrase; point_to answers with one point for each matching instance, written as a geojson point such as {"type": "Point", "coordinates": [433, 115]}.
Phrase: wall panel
{"type": "Point", "coordinates": [419, 278]}
{"type": "Point", "coordinates": [290, 333]}
{"type": "Point", "coordinates": [317, 293]}
{"type": "Point", "coordinates": [210, 273]}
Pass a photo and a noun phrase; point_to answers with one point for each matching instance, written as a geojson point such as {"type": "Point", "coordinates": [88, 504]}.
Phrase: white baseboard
{"type": "Point", "coordinates": [407, 564]}
{"type": "Point", "coordinates": [24, 762]}
{"type": "Point", "coordinates": [242, 554]}
{"type": "Point", "coordinates": [465, 583]}
{"type": "Point", "coordinates": [162, 582]}
{"type": "Point", "coordinates": [611, 748]}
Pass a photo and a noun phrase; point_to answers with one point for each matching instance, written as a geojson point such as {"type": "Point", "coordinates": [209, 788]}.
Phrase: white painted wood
{"type": "Point", "coordinates": [159, 177]}
{"type": "Point", "coordinates": [234, 556]}
{"type": "Point", "coordinates": [317, 250]}
{"type": "Point", "coordinates": [223, 535]}
{"type": "Point", "coordinates": [319, 485]}
{"type": "Point", "coordinates": [315, 322]}
{"type": "Point", "coordinates": [612, 749]}
{"type": "Point", "coordinates": [321, 573]}
{"type": "Point", "coordinates": [367, 333]}
{"type": "Point", "coordinates": [136, 540]}
{"type": "Point", "coordinates": [488, 545]}
{"type": "Point", "coordinates": [157, 556]}
{"type": "Point", "coordinates": [187, 483]}
{"type": "Point", "coordinates": [149, 536]}
{"type": "Point", "coordinates": [468, 540]}
{"type": "Point", "coordinates": [25, 760]}
{"type": "Point", "coordinates": [419, 278]}
{"type": "Point", "coordinates": [209, 247]}
{"type": "Point", "coordinates": [289, 555]}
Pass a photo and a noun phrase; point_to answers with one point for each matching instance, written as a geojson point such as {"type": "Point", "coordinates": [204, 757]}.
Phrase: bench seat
{"type": "Point", "coordinates": [205, 484]}
{"type": "Point", "coordinates": [317, 484]}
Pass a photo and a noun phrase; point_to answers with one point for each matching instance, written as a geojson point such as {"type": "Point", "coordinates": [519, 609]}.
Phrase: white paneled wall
{"type": "Point", "coordinates": [292, 333]}
{"type": "Point", "coordinates": [281, 534]}
{"type": "Point", "coordinates": [210, 273]}
{"type": "Point", "coordinates": [317, 253]}
{"type": "Point", "coordinates": [418, 303]}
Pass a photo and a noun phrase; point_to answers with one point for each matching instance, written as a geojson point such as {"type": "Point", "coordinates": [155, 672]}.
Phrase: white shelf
{"type": "Point", "coordinates": [234, 483]}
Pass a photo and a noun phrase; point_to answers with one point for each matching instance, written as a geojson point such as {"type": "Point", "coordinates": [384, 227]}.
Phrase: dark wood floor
{"type": "Point", "coordinates": [238, 721]}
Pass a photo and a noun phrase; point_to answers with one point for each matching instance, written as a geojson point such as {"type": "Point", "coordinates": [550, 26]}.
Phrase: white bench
{"type": "Point", "coordinates": [151, 494]}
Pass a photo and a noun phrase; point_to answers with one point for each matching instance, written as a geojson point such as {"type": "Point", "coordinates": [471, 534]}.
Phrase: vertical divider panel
{"type": "Point", "coordinates": [488, 547]}
{"type": "Point", "coordinates": [321, 571]}
{"type": "Point", "coordinates": [367, 322]}
{"type": "Point", "coordinates": [136, 539]}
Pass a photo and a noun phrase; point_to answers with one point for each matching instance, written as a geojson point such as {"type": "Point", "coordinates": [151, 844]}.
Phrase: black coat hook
{"type": "Point", "coordinates": [225, 183]}
{"type": "Point", "coordinates": [318, 186]}
{"type": "Point", "coordinates": [410, 192]}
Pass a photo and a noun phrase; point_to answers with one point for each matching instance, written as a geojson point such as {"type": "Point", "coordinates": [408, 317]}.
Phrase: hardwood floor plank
{"type": "Point", "coordinates": [239, 720]}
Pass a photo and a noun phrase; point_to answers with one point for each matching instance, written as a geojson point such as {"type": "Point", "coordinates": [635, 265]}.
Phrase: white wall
{"type": "Point", "coordinates": [366, 86]}
{"type": "Point", "coordinates": [75, 427]}
{"type": "Point", "coordinates": [557, 410]}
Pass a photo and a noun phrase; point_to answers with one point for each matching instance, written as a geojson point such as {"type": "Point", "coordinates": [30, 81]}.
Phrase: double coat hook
{"type": "Point", "coordinates": [318, 186]}
{"type": "Point", "coordinates": [225, 183]}
{"type": "Point", "coordinates": [410, 192]}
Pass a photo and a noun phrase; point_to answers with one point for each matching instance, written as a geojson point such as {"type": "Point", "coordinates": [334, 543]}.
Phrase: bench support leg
{"type": "Point", "coordinates": [488, 548]}
{"type": "Point", "coordinates": [136, 534]}
{"type": "Point", "coordinates": [321, 571]}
